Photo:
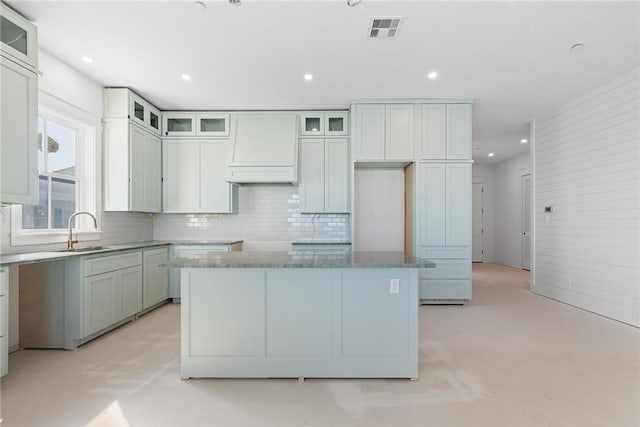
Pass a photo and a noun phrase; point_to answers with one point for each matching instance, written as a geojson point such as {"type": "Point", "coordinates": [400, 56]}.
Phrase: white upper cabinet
{"type": "Point", "coordinates": [458, 131]}
{"type": "Point", "coordinates": [18, 109]}
{"type": "Point", "coordinates": [132, 153]}
{"type": "Point", "coordinates": [178, 124]}
{"type": "Point", "coordinates": [399, 132]}
{"type": "Point", "coordinates": [18, 38]}
{"type": "Point", "coordinates": [324, 123]}
{"type": "Point", "coordinates": [181, 124]}
{"type": "Point", "coordinates": [324, 175]}
{"type": "Point", "coordinates": [446, 132]}
{"type": "Point", "coordinates": [18, 134]}
{"type": "Point", "coordinates": [384, 132]}
{"type": "Point", "coordinates": [122, 103]}
{"type": "Point", "coordinates": [194, 177]}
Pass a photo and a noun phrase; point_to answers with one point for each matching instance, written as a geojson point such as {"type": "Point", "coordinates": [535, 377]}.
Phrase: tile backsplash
{"type": "Point", "coordinates": [268, 214]}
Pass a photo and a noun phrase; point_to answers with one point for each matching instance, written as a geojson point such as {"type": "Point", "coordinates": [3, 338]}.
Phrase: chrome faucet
{"type": "Point", "coordinates": [70, 242]}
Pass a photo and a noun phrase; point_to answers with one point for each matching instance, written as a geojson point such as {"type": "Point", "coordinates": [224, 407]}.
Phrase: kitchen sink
{"type": "Point", "coordinates": [86, 249]}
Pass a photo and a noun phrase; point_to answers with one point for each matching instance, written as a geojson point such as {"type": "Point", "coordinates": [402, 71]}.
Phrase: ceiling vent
{"type": "Point", "coordinates": [384, 28]}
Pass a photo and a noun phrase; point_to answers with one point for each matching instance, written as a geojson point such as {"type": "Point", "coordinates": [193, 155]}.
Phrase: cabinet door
{"type": "Point", "coordinates": [458, 131]}
{"type": "Point", "coordinates": [155, 280]}
{"type": "Point", "coordinates": [370, 132]}
{"type": "Point", "coordinates": [433, 132]}
{"type": "Point", "coordinates": [312, 176]}
{"type": "Point", "coordinates": [137, 160]}
{"type": "Point", "coordinates": [18, 38]}
{"type": "Point", "coordinates": [212, 124]}
{"type": "Point", "coordinates": [138, 110]}
{"type": "Point", "coordinates": [216, 194]}
{"type": "Point", "coordinates": [432, 205]}
{"type": "Point", "coordinates": [336, 175]}
{"type": "Point", "coordinates": [179, 124]}
{"type": "Point", "coordinates": [18, 134]}
{"type": "Point", "coordinates": [128, 292]}
{"type": "Point", "coordinates": [312, 123]}
{"type": "Point", "coordinates": [153, 121]}
{"type": "Point", "coordinates": [100, 297]}
{"type": "Point", "coordinates": [152, 174]}
{"type": "Point", "coordinates": [399, 132]}
{"type": "Point", "coordinates": [336, 123]}
{"type": "Point", "coordinates": [181, 189]}
{"type": "Point", "coordinates": [458, 231]}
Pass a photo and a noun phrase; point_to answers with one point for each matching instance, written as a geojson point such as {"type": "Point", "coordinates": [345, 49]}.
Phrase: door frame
{"type": "Point", "coordinates": [482, 220]}
{"type": "Point", "coordinates": [523, 178]}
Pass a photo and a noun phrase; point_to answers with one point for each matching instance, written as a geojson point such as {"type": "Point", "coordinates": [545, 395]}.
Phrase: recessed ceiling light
{"type": "Point", "coordinates": [524, 141]}
{"type": "Point", "coordinates": [576, 47]}
{"type": "Point", "coordinates": [87, 59]}
{"type": "Point", "coordinates": [186, 77]}
{"type": "Point", "coordinates": [491, 154]}
{"type": "Point", "coordinates": [308, 77]}
{"type": "Point", "coordinates": [432, 75]}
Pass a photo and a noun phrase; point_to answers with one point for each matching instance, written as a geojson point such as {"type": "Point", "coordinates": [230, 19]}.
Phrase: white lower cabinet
{"type": "Point", "coordinates": [324, 175]}
{"type": "Point", "coordinates": [194, 177]}
{"type": "Point", "coordinates": [111, 297]}
{"type": "Point", "coordinates": [155, 279]}
{"type": "Point", "coordinates": [4, 321]}
{"type": "Point", "coordinates": [445, 231]}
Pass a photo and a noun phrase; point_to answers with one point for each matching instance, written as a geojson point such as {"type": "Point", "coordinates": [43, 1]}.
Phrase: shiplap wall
{"type": "Point", "coordinates": [587, 167]}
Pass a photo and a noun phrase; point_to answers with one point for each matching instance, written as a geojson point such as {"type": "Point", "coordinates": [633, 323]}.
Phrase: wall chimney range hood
{"type": "Point", "coordinates": [264, 148]}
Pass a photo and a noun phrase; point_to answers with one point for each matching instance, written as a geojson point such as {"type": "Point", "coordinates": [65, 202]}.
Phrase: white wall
{"type": "Point", "coordinates": [484, 174]}
{"type": "Point", "coordinates": [379, 207]}
{"type": "Point", "coordinates": [587, 167]}
{"type": "Point", "coordinates": [508, 209]}
{"type": "Point", "coordinates": [268, 219]}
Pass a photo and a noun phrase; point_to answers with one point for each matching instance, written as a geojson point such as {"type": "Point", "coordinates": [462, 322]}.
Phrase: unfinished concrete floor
{"type": "Point", "coordinates": [509, 358]}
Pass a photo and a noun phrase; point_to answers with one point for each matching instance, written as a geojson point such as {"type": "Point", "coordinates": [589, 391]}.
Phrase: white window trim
{"type": "Point", "coordinates": [88, 153]}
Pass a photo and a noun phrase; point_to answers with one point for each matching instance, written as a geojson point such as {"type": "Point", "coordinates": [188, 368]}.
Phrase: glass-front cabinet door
{"type": "Point", "coordinates": [312, 123]}
{"type": "Point", "coordinates": [18, 37]}
{"type": "Point", "coordinates": [336, 123]}
{"type": "Point", "coordinates": [179, 124]}
{"type": "Point", "coordinates": [212, 124]}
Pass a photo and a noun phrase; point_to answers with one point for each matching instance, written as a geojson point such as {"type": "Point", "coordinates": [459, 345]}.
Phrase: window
{"type": "Point", "coordinates": [67, 183]}
{"type": "Point", "coordinates": [58, 182]}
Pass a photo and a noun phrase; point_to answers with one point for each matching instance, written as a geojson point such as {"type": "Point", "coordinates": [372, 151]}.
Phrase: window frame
{"type": "Point", "coordinates": [86, 178]}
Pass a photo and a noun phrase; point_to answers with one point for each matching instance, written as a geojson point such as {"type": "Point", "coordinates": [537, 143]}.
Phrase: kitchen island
{"type": "Point", "coordinates": [300, 314]}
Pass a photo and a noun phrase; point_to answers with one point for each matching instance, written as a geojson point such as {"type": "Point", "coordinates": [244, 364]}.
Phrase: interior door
{"type": "Point", "coordinates": [478, 216]}
{"type": "Point", "coordinates": [526, 222]}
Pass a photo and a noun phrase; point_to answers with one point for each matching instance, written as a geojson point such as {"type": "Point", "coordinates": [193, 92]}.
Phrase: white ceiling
{"type": "Point", "coordinates": [512, 57]}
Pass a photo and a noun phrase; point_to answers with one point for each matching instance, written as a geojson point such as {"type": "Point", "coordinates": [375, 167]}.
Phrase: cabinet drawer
{"type": "Point", "coordinates": [445, 289]}
{"type": "Point", "coordinates": [111, 263]}
{"type": "Point", "coordinates": [451, 252]}
{"type": "Point", "coordinates": [448, 269]}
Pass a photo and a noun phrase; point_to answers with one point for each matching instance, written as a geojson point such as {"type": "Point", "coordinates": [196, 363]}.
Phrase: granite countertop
{"type": "Point", "coordinates": [44, 256]}
{"type": "Point", "coordinates": [307, 259]}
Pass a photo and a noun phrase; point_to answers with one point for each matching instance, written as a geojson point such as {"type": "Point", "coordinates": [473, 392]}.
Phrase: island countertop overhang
{"type": "Point", "coordinates": [303, 259]}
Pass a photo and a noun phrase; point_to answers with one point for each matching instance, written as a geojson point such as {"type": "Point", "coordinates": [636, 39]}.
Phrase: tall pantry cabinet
{"type": "Point", "coordinates": [444, 208]}
{"type": "Point", "coordinates": [18, 109]}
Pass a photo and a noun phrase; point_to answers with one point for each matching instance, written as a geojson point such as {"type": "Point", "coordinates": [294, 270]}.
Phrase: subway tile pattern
{"type": "Point", "coordinates": [267, 213]}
